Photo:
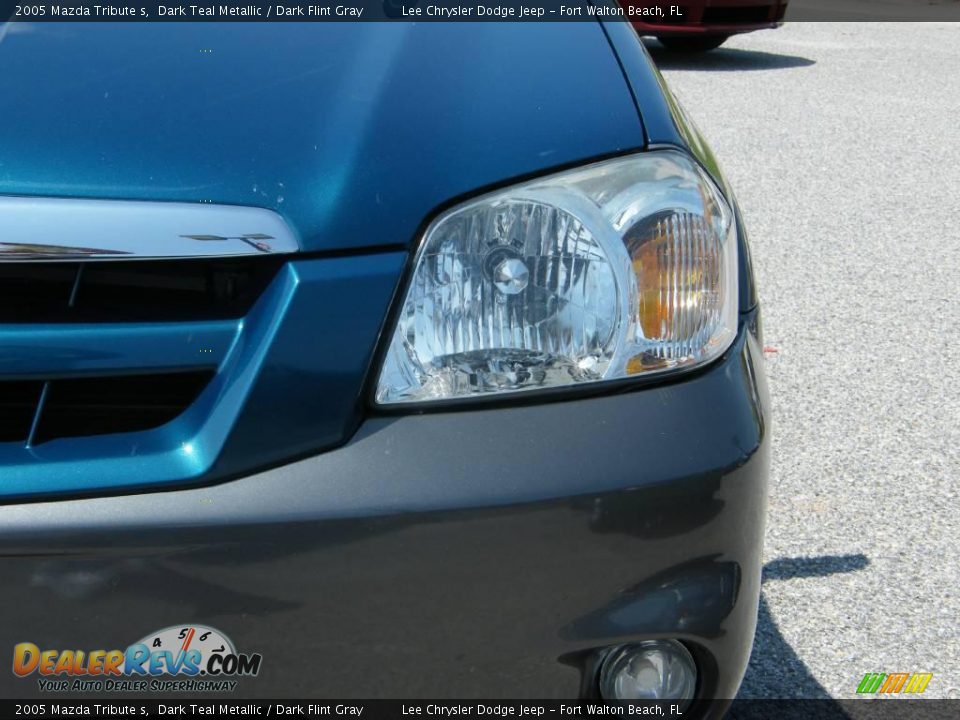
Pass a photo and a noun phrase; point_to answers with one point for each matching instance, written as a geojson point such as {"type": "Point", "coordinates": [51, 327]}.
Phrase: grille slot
{"type": "Point", "coordinates": [18, 406]}
{"type": "Point", "coordinates": [133, 291]}
{"type": "Point", "coordinates": [81, 407]}
{"type": "Point", "coordinates": [32, 292]}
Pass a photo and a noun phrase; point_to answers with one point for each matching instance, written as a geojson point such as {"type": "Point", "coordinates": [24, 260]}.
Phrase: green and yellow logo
{"type": "Point", "coordinates": [894, 683]}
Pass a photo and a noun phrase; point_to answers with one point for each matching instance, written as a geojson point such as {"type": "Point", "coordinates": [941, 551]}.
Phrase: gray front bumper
{"type": "Point", "coordinates": [477, 553]}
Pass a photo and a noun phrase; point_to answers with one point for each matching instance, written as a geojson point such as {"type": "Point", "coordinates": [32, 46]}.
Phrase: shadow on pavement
{"type": "Point", "coordinates": [723, 59]}
{"type": "Point", "coordinates": [775, 670]}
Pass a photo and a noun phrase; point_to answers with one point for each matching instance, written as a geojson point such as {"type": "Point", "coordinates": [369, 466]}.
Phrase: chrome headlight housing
{"type": "Point", "coordinates": [619, 269]}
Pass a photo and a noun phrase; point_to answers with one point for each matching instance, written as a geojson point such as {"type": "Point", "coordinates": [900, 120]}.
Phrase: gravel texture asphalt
{"type": "Point", "coordinates": [842, 142]}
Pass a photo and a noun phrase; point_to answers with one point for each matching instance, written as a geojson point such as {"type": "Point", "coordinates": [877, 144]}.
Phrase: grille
{"type": "Point", "coordinates": [132, 291]}
{"type": "Point", "coordinates": [35, 412]}
{"type": "Point", "coordinates": [737, 15]}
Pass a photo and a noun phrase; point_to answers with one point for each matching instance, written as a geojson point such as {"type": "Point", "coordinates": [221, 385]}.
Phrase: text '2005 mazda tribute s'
{"type": "Point", "coordinates": [396, 360]}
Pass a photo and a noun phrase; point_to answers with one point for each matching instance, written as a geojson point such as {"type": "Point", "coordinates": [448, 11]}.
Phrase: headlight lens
{"type": "Point", "coordinates": [622, 268]}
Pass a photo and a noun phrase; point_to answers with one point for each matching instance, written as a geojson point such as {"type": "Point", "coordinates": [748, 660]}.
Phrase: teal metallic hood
{"type": "Point", "coordinates": [354, 133]}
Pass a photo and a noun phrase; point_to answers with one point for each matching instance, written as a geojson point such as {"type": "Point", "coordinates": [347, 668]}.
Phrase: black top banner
{"type": "Point", "coordinates": [654, 12]}
{"type": "Point", "coordinates": [893, 709]}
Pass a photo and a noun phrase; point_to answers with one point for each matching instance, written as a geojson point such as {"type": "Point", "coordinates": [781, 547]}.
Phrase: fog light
{"type": "Point", "coordinates": [649, 670]}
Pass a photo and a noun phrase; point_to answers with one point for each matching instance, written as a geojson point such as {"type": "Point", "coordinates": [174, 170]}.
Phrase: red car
{"type": "Point", "coordinates": [701, 25]}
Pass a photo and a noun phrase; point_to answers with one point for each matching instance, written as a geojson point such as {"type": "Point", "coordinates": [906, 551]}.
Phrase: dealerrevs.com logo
{"type": "Point", "coordinates": [180, 658]}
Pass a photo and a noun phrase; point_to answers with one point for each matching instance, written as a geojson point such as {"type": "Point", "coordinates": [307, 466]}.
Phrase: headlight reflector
{"type": "Point", "coordinates": [621, 268]}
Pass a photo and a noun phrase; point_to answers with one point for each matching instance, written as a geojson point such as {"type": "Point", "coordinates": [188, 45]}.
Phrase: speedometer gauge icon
{"type": "Point", "coordinates": [179, 642]}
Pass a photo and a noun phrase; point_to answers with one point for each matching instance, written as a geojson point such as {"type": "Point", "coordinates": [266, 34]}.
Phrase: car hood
{"type": "Point", "coordinates": [354, 132]}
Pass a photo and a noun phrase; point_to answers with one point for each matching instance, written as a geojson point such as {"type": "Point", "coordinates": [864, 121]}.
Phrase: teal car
{"type": "Point", "coordinates": [411, 359]}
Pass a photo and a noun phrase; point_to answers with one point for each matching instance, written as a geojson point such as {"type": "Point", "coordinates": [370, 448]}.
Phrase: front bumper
{"type": "Point", "coordinates": [477, 553]}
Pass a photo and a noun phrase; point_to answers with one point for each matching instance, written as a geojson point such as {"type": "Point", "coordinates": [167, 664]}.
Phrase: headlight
{"type": "Point", "coordinates": [620, 269]}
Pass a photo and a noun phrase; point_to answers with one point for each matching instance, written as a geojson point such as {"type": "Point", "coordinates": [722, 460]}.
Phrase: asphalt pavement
{"type": "Point", "coordinates": [842, 142]}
